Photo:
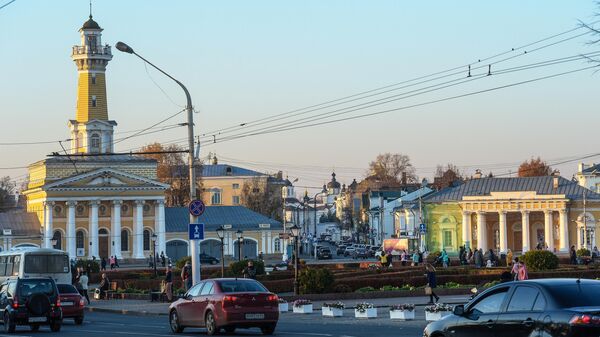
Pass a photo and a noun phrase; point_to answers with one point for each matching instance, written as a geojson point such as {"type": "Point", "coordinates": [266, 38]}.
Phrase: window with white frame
{"type": "Point", "coordinates": [215, 196]}
{"type": "Point", "coordinates": [447, 238]}
{"type": "Point", "coordinates": [235, 186]}
{"type": "Point", "coordinates": [95, 143]}
{"type": "Point", "coordinates": [124, 240]}
{"type": "Point", "coordinates": [277, 245]}
{"type": "Point", "coordinates": [93, 101]}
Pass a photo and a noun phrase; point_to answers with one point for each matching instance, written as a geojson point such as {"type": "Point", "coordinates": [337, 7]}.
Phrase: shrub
{"type": "Point", "coordinates": [236, 269]}
{"type": "Point", "coordinates": [315, 281]}
{"type": "Point", "coordinates": [88, 265]}
{"type": "Point", "coordinates": [540, 260]}
{"type": "Point", "coordinates": [433, 256]}
{"type": "Point", "coordinates": [342, 288]}
{"type": "Point", "coordinates": [403, 307]}
{"type": "Point", "coordinates": [365, 289]}
{"type": "Point", "coordinates": [581, 252]}
{"type": "Point", "coordinates": [181, 262]}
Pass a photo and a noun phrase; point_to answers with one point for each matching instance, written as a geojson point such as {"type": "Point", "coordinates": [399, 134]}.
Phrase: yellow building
{"type": "Point", "coordinates": [93, 202]}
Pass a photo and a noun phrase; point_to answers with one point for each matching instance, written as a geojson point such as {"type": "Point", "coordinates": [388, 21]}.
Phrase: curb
{"type": "Point", "coordinates": [125, 312]}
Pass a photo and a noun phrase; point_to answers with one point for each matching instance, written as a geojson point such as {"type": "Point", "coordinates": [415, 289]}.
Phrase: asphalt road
{"type": "Point", "coordinates": [313, 325]}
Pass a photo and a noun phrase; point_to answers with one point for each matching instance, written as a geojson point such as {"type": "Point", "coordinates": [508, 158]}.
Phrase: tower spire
{"type": "Point", "coordinates": [90, 9]}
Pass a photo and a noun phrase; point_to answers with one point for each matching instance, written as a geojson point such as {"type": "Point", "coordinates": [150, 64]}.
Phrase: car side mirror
{"type": "Point", "coordinates": [459, 310]}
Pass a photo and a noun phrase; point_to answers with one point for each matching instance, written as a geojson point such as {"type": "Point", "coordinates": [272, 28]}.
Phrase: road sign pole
{"type": "Point", "coordinates": [196, 209]}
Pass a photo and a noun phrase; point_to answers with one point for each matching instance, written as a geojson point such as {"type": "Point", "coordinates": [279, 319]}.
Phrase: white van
{"type": "Point", "coordinates": [29, 262]}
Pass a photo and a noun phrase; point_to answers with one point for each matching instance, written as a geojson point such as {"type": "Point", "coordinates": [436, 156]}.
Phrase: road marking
{"type": "Point", "coordinates": [306, 333]}
{"type": "Point", "coordinates": [133, 325]}
{"type": "Point", "coordinates": [131, 333]}
{"type": "Point", "coordinates": [13, 335]}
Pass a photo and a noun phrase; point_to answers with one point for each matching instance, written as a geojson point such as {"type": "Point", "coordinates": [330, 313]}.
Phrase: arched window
{"type": "Point", "coordinates": [79, 239]}
{"type": "Point", "coordinates": [146, 239]}
{"type": "Point", "coordinates": [124, 240]}
{"type": "Point", "coordinates": [277, 244]}
{"type": "Point", "coordinates": [57, 238]}
{"type": "Point", "coordinates": [215, 196]}
{"type": "Point", "coordinates": [95, 143]}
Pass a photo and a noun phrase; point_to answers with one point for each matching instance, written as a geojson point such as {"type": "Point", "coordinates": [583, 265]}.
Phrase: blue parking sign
{"type": "Point", "coordinates": [422, 228]}
{"type": "Point", "coordinates": [196, 231]}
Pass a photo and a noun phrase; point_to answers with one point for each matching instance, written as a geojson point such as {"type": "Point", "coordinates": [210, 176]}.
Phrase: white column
{"type": "Point", "coordinates": [579, 237]}
{"type": "Point", "coordinates": [263, 242]}
{"type": "Point", "coordinates": [548, 237]}
{"type": "Point", "coordinates": [138, 230]}
{"type": "Point", "coordinates": [525, 230]}
{"type": "Point", "coordinates": [159, 226]}
{"type": "Point", "coordinates": [71, 242]}
{"type": "Point", "coordinates": [502, 227]}
{"type": "Point", "coordinates": [93, 229]}
{"type": "Point", "coordinates": [466, 229]}
{"type": "Point", "coordinates": [116, 228]}
{"type": "Point", "coordinates": [269, 243]}
{"type": "Point", "coordinates": [481, 231]}
{"type": "Point", "coordinates": [563, 231]}
{"type": "Point", "coordinates": [48, 224]}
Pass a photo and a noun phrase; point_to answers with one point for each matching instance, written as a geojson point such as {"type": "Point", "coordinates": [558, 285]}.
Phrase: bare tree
{"type": "Point", "coordinates": [262, 197]}
{"type": "Point", "coordinates": [388, 168]}
{"type": "Point", "coordinates": [7, 194]}
{"type": "Point", "coordinates": [445, 176]}
{"type": "Point", "coordinates": [534, 168]}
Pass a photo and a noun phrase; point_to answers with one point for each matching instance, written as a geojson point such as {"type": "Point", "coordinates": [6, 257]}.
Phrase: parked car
{"type": "Point", "coordinates": [226, 304]}
{"type": "Point", "coordinates": [360, 253]}
{"type": "Point", "coordinates": [340, 250]}
{"type": "Point", "coordinates": [349, 251]}
{"type": "Point", "coordinates": [324, 253]}
{"type": "Point", "coordinates": [71, 302]}
{"type": "Point", "coordinates": [205, 258]}
{"type": "Point", "coordinates": [31, 301]}
{"type": "Point", "coordinates": [541, 307]}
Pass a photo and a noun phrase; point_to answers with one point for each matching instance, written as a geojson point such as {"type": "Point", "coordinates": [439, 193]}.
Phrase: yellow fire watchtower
{"type": "Point", "coordinates": [91, 131]}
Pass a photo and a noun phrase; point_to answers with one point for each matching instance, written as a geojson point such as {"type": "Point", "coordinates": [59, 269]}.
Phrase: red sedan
{"type": "Point", "coordinates": [226, 304]}
{"type": "Point", "coordinates": [71, 302]}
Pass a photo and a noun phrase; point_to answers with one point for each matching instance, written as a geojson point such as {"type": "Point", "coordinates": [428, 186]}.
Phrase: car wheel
{"type": "Point", "coordinates": [229, 329]}
{"type": "Point", "coordinates": [210, 324]}
{"type": "Point", "coordinates": [9, 325]}
{"type": "Point", "coordinates": [174, 322]}
{"type": "Point", "coordinates": [55, 326]}
{"type": "Point", "coordinates": [78, 320]}
{"type": "Point", "coordinates": [34, 327]}
{"type": "Point", "coordinates": [268, 329]}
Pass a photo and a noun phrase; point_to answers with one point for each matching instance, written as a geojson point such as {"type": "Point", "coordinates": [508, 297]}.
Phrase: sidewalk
{"type": "Point", "coordinates": [139, 307]}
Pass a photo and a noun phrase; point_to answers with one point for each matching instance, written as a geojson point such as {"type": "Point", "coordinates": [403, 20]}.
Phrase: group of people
{"type": "Point", "coordinates": [477, 257]}
{"type": "Point", "coordinates": [81, 283]}
{"type": "Point", "coordinates": [113, 262]}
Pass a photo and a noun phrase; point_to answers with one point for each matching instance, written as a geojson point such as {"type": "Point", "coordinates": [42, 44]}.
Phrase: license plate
{"type": "Point", "coordinates": [255, 316]}
{"type": "Point", "coordinates": [37, 319]}
{"type": "Point", "coordinates": [66, 304]}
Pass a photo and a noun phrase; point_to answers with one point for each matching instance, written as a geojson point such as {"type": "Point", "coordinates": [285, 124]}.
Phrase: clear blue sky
{"type": "Point", "coordinates": [244, 60]}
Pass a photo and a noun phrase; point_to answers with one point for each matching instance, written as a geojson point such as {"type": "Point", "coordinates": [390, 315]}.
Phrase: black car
{"type": "Point", "coordinates": [544, 307]}
{"type": "Point", "coordinates": [205, 258]}
{"type": "Point", "coordinates": [340, 250]}
{"type": "Point", "coordinates": [324, 253]}
{"type": "Point", "coordinates": [31, 301]}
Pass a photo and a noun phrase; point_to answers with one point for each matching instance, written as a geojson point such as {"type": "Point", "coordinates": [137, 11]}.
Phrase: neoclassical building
{"type": "Point", "coordinates": [93, 202]}
{"type": "Point", "coordinates": [513, 213]}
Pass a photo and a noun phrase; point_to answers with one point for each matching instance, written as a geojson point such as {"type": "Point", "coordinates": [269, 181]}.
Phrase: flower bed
{"type": "Point", "coordinates": [283, 305]}
{"type": "Point", "coordinates": [335, 309]}
{"type": "Point", "coordinates": [365, 310]}
{"type": "Point", "coordinates": [303, 306]}
{"type": "Point", "coordinates": [437, 311]}
{"type": "Point", "coordinates": [402, 311]}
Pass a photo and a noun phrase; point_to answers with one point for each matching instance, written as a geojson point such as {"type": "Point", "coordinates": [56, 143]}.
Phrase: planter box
{"type": "Point", "coordinates": [283, 307]}
{"type": "Point", "coordinates": [332, 312]}
{"type": "Point", "coordinates": [402, 314]}
{"type": "Point", "coordinates": [304, 309]}
{"type": "Point", "coordinates": [436, 316]}
{"type": "Point", "coordinates": [369, 313]}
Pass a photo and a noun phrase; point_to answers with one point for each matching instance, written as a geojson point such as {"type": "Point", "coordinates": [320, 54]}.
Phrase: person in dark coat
{"type": "Point", "coordinates": [431, 282]}
{"type": "Point", "coordinates": [573, 254]}
{"type": "Point", "coordinates": [478, 257]}
{"type": "Point", "coordinates": [250, 270]}
{"type": "Point", "coordinates": [103, 264]}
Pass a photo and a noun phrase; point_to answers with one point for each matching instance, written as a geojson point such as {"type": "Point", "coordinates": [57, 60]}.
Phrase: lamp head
{"type": "Point", "coordinates": [220, 232]}
{"type": "Point", "coordinates": [295, 230]}
{"type": "Point", "coordinates": [122, 46]}
{"type": "Point", "coordinates": [238, 234]}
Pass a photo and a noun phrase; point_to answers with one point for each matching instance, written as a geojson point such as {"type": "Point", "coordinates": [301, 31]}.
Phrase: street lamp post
{"type": "Point", "coordinates": [240, 238]}
{"type": "Point", "coordinates": [295, 234]}
{"type": "Point", "coordinates": [154, 253]}
{"type": "Point", "coordinates": [221, 235]}
{"type": "Point", "coordinates": [315, 222]}
{"type": "Point", "coordinates": [192, 172]}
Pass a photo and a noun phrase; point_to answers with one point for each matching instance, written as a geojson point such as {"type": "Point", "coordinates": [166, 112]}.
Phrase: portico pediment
{"type": "Point", "coordinates": [105, 179]}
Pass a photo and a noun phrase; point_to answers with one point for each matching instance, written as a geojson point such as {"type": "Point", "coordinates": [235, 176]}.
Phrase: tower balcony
{"type": "Point", "coordinates": [99, 52]}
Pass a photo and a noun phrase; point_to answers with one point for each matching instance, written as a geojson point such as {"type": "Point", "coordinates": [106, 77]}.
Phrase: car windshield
{"type": "Point", "coordinates": [66, 289]}
{"type": "Point", "coordinates": [240, 286]}
{"type": "Point", "coordinates": [30, 287]}
{"type": "Point", "coordinates": [576, 295]}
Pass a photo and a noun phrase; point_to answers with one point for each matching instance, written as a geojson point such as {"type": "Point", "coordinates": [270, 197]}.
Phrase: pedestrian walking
{"type": "Point", "coordinates": [163, 259]}
{"type": "Point", "coordinates": [519, 270]}
{"type": "Point", "coordinates": [445, 258]}
{"type": "Point", "coordinates": [478, 258]}
{"type": "Point", "coordinates": [103, 264]}
{"type": "Point", "coordinates": [111, 262]}
{"type": "Point", "coordinates": [169, 284]}
{"type": "Point", "coordinates": [116, 262]}
{"type": "Point", "coordinates": [415, 258]}
{"type": "Point", "coordinates": [404, 257]}
{"type": "Point", "coordinates": [249, 271]}
{"type": "Point", "coordinates": [509, 258]}
{"type": "Point", "coordinates": [573, 255]}
{"type": "Point", "coordinates": [83, 283]}
{"type": "Point", "coordinates": [431, 282]}
{"type": "Point", "coordinates": [186, 276]}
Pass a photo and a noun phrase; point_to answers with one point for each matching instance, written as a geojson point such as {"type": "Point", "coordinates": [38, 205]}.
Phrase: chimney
{"type": "Point", "coordinates": [477, 174]}
{"type": "Point", "coordinates": [555, 176]}
{"type": "Point", "coordinates": [581, 167]}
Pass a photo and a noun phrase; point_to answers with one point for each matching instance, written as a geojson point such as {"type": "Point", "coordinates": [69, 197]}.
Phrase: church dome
{"type": "Point", "coordinates": [90, 24]}
{"type": "Point", "coordinates": [333, 183]}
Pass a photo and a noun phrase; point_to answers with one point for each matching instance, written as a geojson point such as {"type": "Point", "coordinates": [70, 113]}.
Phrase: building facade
{"type": "Point", "coordinates": [93, 202]}
{"type": "Point", "coordinates": [520, 214]}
